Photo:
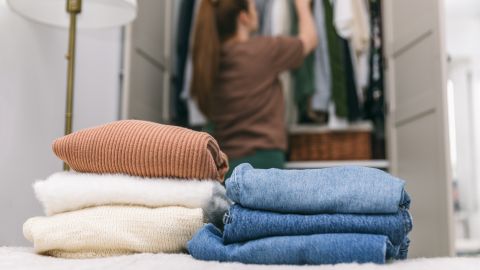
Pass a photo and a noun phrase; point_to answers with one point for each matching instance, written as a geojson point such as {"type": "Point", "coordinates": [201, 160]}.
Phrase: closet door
{"type": "Point", "coordinates": [417, 120]}
{"type": "Point", "coordinates": [148, 63]}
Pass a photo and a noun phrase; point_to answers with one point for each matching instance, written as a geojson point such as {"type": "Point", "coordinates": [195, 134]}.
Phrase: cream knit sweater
{"type": "Point", "coordinates": [70, 191]}
{"type": "Point", "coordinates": [113, 230]}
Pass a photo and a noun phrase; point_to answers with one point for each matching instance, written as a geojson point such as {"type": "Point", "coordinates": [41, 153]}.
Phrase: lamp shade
{"type": "Point", "coordinates": [95, 13]}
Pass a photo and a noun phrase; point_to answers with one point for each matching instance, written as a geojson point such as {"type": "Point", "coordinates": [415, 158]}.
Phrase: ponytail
{"type": "Point", "coordinates": [206, 56]}
{"type": "Point", "coordinates": [216, 22]}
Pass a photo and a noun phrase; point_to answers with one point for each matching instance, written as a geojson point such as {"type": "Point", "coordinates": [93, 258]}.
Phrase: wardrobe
{"type": "Point", "coordinates": [416, 102]}
{"type": "Point", "coordinates": [147, 62]}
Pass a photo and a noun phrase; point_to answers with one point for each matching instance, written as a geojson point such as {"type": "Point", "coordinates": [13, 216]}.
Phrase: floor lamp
{"type": "Point", "coordinates": [64, 13]}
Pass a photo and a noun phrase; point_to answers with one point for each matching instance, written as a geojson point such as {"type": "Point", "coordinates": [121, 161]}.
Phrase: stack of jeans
{"type": "Point", "coordinates": [322, 216]}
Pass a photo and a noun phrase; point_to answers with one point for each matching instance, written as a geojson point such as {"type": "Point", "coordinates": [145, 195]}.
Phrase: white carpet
{"type": "Point", "coordinates": [24, 258]}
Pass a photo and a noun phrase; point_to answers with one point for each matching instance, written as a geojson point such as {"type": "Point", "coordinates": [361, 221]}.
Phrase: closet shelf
{"type": "Point", "coordinates": [365, 126]}
{"type": "Point", "coordinates": [380, 164]}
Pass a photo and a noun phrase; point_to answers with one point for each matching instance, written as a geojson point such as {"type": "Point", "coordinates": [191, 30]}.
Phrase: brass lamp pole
{"type": "Point", "coordinates": [74, 7]}
{"type": "Point", "coordinates": [107, 13]}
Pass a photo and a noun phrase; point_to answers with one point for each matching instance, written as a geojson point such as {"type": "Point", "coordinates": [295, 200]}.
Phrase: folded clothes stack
{"type": "Point", "coordinates": [323, 216]}
{"type": "Point", "coordinates": [137, 187]}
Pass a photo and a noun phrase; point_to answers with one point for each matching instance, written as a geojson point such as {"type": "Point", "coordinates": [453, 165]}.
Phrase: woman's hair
{"type": "Point", "coordinates": [216, 22]}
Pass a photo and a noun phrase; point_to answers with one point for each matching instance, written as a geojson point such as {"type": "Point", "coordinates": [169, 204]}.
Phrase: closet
{"type": "Point", "coordinates": [148, 65]}
{"type": "Point", "coordinates": [415, 104]}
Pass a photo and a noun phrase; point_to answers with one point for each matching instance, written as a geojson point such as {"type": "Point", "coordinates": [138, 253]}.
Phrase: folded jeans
{"type": "Point", "coordinates": [207, 244]}
{"type": "Point", "coordinates": [243, 224]}
{"type": "Point", "coordinates": [350, 190]}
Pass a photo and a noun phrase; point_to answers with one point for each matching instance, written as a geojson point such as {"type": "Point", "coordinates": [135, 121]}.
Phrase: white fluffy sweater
{"type": "Point", "coordinates": [69, 191]}
{"type": "Point", "coordinates": [113, 230]}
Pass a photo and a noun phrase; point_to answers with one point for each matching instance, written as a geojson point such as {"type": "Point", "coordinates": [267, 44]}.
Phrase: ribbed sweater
{"type": "Point", "coordinates": [113, 230]}
{"type": "Point", "coordinates": [145, 149]}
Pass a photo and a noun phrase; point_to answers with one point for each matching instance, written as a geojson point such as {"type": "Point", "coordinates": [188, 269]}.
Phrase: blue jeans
{"type": "Point", "coordinates": [207, 244]}
{"type": "Point", "coordinates": [242, 224]}
{"type": "Point", "coordinates": [350, 190]}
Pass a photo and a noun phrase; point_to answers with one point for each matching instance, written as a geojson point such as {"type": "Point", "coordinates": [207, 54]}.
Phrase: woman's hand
{"type": "Point", "coordinates": [301, 3]}
{"type": "Point", "coordinates": [307, 31]}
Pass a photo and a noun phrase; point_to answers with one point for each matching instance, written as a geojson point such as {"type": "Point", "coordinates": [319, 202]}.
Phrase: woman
{"type": "Point", "coordinates": [235, 78]}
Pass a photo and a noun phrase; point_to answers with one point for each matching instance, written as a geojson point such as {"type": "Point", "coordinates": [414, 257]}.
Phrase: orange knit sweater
{"type": "Point", "coordinates": [143, 149]}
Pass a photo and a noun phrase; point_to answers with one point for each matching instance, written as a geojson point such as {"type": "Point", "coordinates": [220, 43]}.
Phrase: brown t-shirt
{"type": "Point", "coordinates": [249, 109]}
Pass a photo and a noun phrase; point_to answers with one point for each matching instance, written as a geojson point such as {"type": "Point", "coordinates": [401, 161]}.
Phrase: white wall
{"type": "Point", "coordinates": [463, 42]}
{"type": "Point", "coordinates": [32, 105]}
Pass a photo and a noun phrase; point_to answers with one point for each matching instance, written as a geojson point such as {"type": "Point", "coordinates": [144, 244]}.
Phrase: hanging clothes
{"type": "Point", "coordinates": [375, 96]}
{"type": "Point", "coordinates": [304, 77]}
{"type": "Point", "coordinates": [281, 21]}
{"type": "Point", "coordinates": [275, 20]}
{"type": "Point", "coordinates": [361, 43]}
{"type": "Point", "coordinates": [323, 81]}
{"type": "Point", "coordinates": [195, 116]}
{"type": "Point", "coordinates": [354, 112]}
{"type": "Point", "coordinates": [351, 21]}
{"type": "Point", "coordinates": [184, 23]}
{"type": "Point", "coordinates": [337, 67]}
{"type": "Point", "coordinates": [265, 18]}
{"type": "Point", "coordinates": [304, 81]}
{"type": "Point", "coordinates": [262, 6]}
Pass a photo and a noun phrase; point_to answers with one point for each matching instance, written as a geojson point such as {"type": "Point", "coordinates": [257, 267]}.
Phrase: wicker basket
{"type": "Point", "coordinates": [313, 145]}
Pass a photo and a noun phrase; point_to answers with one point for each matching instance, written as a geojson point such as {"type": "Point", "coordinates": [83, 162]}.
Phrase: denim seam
{"type": "Point", "coordinates": [227, 219]}
{"type": "Point", "coordinates": [407, 222]}
{"type": "Point", "coordinates": [405, 225]}
{"type": "Point", "coordinates": [384, 250]}
{"type": "Point", "coordinates": [402, 203]}
{"type": "Point", "coordinates": [236, 185]}
{"type": "Point", "coordinates": [403, 247]}
{"type": "Point", "coordinates": [232, 227]}
{"type": "Point", "coordinates": [402, 198]}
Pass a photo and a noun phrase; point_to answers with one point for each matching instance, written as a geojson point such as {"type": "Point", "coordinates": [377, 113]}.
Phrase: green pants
{"type": "Point", "coordinates": [261, 159]}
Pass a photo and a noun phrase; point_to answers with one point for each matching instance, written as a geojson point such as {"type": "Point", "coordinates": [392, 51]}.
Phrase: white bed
{"type": "Point", "coordinates": [25, 258]}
